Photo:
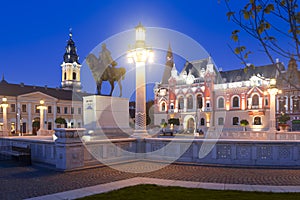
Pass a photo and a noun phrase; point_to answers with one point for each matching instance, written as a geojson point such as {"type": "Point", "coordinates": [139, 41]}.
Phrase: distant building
{"type": "Point", "coordinates": [23, 100]}
{"type": "Point", "coordinates": [201, 96]}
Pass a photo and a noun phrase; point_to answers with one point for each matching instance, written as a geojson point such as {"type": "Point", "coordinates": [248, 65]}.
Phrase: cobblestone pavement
{"type": "Point", "coordinates": [18, 182]}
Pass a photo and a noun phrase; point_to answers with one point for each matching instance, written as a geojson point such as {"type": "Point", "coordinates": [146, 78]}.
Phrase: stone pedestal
{"type": "Point", "coordinates": [105, 112]}
{"type": "Point", "coordinates": [69, 148]}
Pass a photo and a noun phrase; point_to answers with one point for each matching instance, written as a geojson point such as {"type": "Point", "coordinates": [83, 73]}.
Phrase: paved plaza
{"type": "Point", "coordinates": [19, 182]}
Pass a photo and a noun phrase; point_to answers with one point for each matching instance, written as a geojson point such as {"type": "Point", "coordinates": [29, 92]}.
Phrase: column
{"type": "Point", "coordinates": [18, 121]}
{"type": "Point", "coordinates": [272, 129]}
{"type": "Point", "coordinates": [5, 130]}
{"type": "Point", "coordinates": [29, 117]}
{"type": "Point", "coordinates": [140, 104]}
{"type": "Point", "coordinates": [291, 104]}
{"type": "Point", "coordinates": [41, 119]}
{"type": "Point", "coordinates": [184, 104]}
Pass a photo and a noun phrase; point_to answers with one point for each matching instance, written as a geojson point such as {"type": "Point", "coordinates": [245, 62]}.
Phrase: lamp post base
{"type": "Point", "coordinates": [272, 133]}
{"type": "Point", "coordinates": [5, 133]}
{"type": "Point", "coordinates": [140, 134]}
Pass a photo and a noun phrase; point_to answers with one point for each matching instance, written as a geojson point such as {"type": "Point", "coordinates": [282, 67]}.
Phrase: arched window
{"type": "Point", "coordinates": [236, 102]}
{"type": "Point", "coordinates": [190, 102]}
{"type": "Point", "coordinates": [257, 121]}
{"type": "Point", "coordinates": [235, 121]}
{"type": "Point", "coordinates": [221, 102]}
{"type": "Point", "coordinates": [163, 106]}
{"type": "Point", "coordinates": [202, 122]}
{"type": "Point", "coordinates": [255, 100]}
{"type": "Point", "coordinates": [74, 76]}
{"type": "Point", "coordinates": [180, 103]}
{"type": "Point", "coordinates": [282, 106]}
{"type": "Point", "coordinates": [295, 104]}
{"type": "Point", "coordinates": [220, 121]}
{"type": "Point", "coordinates": [65, 76]}
{"type": "Point", "coordinates": [199, 101]}
{"type": "Point", "coordinates": [172, 106]}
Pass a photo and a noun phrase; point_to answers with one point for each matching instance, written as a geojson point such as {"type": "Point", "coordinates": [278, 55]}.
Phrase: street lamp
{"type": "Point", "coordinates": [273, 91]}
{"type": "Point", "coordinates": [4, 106]}
{"type": "Point", "coordinates": [41, 107]}
{"type": "Point", "coordinates": [139, 55]}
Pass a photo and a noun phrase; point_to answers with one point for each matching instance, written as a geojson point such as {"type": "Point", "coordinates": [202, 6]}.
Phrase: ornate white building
{"type": "Point", "coordinates": [201, 96]}
{"type": "Point", "coordinates": [23, 100]}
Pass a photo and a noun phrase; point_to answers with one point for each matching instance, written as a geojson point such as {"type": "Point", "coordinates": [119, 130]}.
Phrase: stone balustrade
{"type": "Point", "coordinates": [69, 152]}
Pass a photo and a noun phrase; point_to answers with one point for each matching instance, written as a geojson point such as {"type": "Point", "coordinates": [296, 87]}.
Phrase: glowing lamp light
{"type": "Point", "coordinates": [4, 101]}
{"type": "Point", "coordinates": [42, 102]}
{"type": "Point", "coordinates": [129, 57]}
{"type": "Point", "coordinates": [151, 56]}
{"type": "Point", "coordinates": [272, 82]}
{"type": "Point", "coordinates": [140, 32]}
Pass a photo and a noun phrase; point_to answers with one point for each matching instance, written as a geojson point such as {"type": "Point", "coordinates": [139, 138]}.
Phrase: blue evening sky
{"type": "Point", "coordinates": [33, 33]}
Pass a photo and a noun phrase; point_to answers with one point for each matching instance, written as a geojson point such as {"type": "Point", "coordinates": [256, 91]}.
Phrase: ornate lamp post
{"type": "Point", "coordinates": [4, 106]}
{"type": "Point", "coordinates": [41, 107]}
{"type": "Point", "coordinates": [273, 92]}
{"type": "Point", "coordinates": [139, 55]}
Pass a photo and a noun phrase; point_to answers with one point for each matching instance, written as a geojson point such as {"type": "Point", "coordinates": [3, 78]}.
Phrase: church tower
{"type": "Point", "coordinates": [169, 66]}
{"type": "Point", "coordinates": [71, 67]}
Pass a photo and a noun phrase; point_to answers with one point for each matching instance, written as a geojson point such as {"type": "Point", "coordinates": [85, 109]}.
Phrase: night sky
{"type": "Point", "coordinates": [33, 34]}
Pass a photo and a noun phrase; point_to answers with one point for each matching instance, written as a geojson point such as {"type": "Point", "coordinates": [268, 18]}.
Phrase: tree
{"type": "Point", "coordinates": [60, 120]}
{"type": "Point", "coordinates": [283, 118]}
{"type": "Point", "coordinates": [268, 22]}
{"type": "Point", "coordinates": [174, 121]}
{"type": "Point", "coordinates": [244, 123]}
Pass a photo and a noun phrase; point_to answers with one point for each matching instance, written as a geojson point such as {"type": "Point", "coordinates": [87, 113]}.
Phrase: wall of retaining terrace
{"type": "Point", "coordinates": [68, 152]}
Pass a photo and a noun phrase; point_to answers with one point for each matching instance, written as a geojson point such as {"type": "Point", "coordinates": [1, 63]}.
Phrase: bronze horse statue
{"type": "Point", "coordinates": [103, 69]}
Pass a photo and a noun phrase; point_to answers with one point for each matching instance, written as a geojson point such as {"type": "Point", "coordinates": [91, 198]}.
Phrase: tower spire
{"type": "Point", "coordinates": [71, 66]}
{"type": "Point", "coordinates": [169, 65]}
{"type": "Point", "coordinates": [70, 33]}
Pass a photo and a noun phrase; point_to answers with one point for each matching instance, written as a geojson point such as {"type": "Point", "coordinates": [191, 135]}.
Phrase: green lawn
{"type": "Point", "coordinates": [155, 192]}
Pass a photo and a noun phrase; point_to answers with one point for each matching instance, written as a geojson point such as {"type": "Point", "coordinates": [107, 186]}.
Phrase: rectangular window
{"type": "Point", "coordinates": [1, 110]}
{"type": "Point", "coordinates": [66, 110]}
{"type": "Point", "coordinates": [58, 110]}
{"type": "Point", "coordinates": [220, 121]}
{"type": "Point", "coordinates": [79, 111]}
{"type": "Point", "coordinates": [266, 102]}
{"type": "Point", "coordinates": [79, 125]}
{"type": "Point", "coordinates": [49, 125]}
{"type": "Point", "coordinates": [235, 121]}
{"type": "Point", "coordinates": [24, 108]}
{"type": "Point", "coordinates": [49, 109]}
{"type": "Point", "coordinates": [12, 107]}
{"type": "Point", "coordinates": [36, 109]}
{"type": "Point", "coordinates": [72, 110]}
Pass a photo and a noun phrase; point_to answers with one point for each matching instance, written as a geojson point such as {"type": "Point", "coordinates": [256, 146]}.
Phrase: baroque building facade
{"type": "Point", "coordinates": [201, 96]}
{"type": "Point", "coordinates": [24, 100]}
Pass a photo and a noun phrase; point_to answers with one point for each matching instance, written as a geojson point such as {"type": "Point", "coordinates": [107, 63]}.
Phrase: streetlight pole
{"type": "Point", "coordinates": [41, 107]}
{"type": "Point", "coordinates": [140, 55]}
{"type": "Point", "coordinates": [273, 92]}
{"type": "Point", "coordinates": [4, 106]}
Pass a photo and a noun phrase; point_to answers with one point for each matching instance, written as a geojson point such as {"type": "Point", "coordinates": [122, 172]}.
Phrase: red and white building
{"type": "Point", "coordinates": [201, 96]}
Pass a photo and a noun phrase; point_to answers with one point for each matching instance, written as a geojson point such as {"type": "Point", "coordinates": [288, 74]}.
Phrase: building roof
{"type": "Point", "coordinates": [9, 89]}
{"type": "Point", "coordinates": [70, 55]}
{"type": "Point", "coordinates": [197, 68]}
{"type": "Point", "coordinates": [267, 71]}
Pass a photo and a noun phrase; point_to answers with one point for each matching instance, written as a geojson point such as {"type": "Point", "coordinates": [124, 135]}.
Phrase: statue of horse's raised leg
{"type": "Point", "coordinates": [120, 86]}
{"type": "Point", "coordinates": [112, 87]}
{"type": "Point", "coordinates": [99, 85]}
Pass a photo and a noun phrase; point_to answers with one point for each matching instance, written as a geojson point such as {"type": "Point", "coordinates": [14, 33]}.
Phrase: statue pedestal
{"type": "Point", "coordinates": [105, 112]}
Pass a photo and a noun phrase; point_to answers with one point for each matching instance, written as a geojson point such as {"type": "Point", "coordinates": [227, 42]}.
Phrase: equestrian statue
{"type": "Point", "coordinates": [104, 69]}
